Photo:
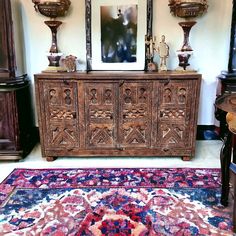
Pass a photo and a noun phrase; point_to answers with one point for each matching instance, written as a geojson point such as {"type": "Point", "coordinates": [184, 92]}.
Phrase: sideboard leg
{"type": "Point", "coordinates": [225, 159]}
{"type": "Point", "coordinates": [186, 158]}
{"type": "Point", "coordinates": [50, 158]}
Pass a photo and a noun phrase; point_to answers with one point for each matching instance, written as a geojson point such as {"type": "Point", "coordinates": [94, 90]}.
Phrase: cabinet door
{"type": "Point", "coordinates": [135, 114]}
{"type": "Point", "coordinates": [59, 114]}
{"type": "Point", "coordinates": [8, 122]}
{"type": "Point", "coordinates": [101, 101]}
{"type": "Point", "coordinates": [174, 114]}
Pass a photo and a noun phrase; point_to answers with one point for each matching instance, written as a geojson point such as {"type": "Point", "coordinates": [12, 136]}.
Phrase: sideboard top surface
{"type": "Point", "coordinates": [119, 75]}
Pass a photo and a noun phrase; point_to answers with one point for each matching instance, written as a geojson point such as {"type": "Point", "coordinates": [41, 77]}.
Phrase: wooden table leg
{"type": "Point", "coordinates": [234, 205]}
{"type": "Point", "coordinates": [225, 159]}
{"type": "Point", "coordinates": [234, 147]}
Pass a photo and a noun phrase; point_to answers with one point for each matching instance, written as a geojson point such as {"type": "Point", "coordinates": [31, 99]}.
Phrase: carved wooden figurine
{"type": "Point", "coordinates": [163, 51]}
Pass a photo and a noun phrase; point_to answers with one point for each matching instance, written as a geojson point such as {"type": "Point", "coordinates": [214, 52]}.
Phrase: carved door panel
{"type": "Point", "coordinates": [8, 123]}
{"type": "Point", "coordinates": [101, 114]}
{"type": "Point", "coordinates": [172, 120]}
{"type": "Point", "coordinates": [135, 114]}
{"type": "Point", "coordinates": [61, 115]}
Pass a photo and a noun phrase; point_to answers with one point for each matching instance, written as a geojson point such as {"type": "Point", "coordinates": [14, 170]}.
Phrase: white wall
{"type": "Point", "coordinates": [209, 39]}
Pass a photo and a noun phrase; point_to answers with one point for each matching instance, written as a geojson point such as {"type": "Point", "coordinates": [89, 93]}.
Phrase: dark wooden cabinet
{"type": "Point", "coordinates": [117, 113]}
{"type": "Point", "coordinates": [17, 133]}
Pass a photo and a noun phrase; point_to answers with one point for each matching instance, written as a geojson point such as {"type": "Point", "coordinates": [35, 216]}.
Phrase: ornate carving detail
{"type": "Point", "coordinates": [93, 96]}
{"type": "Point", "coordinates": [55, 133]}
{"type": "Point", "coordinates": [128, 96]}
{"type": "Point", "coordinates": [62, 94]}
{"type": "Point", "coordinates": [172, 113]}
{"type": "Point", "coordinates": [135, 94]}
{"type": "Point", "coordinates": [142, 95]}
{"type": "Point", "coordinates": [62, 114]}
{"type": "Point", "coordinates": [172, 134]}
{"type": "Point", "coordinates": [101, 136]}
{"type": "Point", "coordinates": [167, 95]}
{"type": "Point", "coordinates": [108, 96]}
{"type": "Point", "coordinates": [182, 93]}
{"type": "Point", "coordinates": [101, 114]}
{"type": "Point", "coordinates": [53, 96]}
{"type": "Point", "coordinates": [174, 95]}
{"type": "Point", "coordinates": [68, 99]}
{"type": "Point", "coordinates": [135, 134]}
{"type": "Point", "coordinates": [104, 96]}
{"type": "Point", "coordinates": [133, 113]}
{"type": "Point", "coordinates": [63, 136]}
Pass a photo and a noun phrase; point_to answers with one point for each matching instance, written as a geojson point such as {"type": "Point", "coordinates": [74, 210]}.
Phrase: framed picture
{"type": "Point", "coordinates": [115, 33]}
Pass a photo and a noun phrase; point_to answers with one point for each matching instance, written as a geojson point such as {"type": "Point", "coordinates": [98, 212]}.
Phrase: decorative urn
{"type": "Point", "coordinates": [187, 9]}
{"type": "Point", "coordinates": [53, 9]}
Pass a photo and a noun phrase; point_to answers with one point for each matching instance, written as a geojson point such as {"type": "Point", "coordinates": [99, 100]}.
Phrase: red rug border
{"type": "Point", "coordinates": [107, 168]}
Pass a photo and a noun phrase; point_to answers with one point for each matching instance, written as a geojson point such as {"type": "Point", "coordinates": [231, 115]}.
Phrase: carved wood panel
{"type": "Point", "coordinates": [172, 116]}
{"type": "Point", "coordinates": [101, 114]}
{"type": "Point", "coordinates": [135, 113]}
{"type": "Point", "coordinates": [61, 114]}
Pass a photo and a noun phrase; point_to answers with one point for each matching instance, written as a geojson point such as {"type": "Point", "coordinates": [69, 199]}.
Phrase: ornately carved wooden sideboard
{"type": "Point", "coordinates": [118, 113]}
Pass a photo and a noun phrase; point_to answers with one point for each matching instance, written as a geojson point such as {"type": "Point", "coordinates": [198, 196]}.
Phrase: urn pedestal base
{"type": "Point", "coordinates": [186, 51]}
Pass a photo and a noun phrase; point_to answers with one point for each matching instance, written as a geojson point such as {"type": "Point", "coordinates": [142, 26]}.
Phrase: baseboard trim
{"type": "Point", "coordinates": [207, 132]}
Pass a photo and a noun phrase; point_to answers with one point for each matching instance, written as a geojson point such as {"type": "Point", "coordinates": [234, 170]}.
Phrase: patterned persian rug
{"type": "Point", "coordinates": [113, 202]}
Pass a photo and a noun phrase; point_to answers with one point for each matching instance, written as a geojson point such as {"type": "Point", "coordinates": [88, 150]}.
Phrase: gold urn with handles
{"type": "Point", "coordinates": [53, 9]}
